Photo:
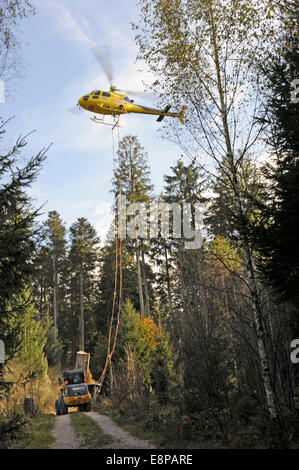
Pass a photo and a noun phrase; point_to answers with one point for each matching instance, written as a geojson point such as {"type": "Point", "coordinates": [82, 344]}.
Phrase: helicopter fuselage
{"type": "Point", "coordinates": [112, 103]}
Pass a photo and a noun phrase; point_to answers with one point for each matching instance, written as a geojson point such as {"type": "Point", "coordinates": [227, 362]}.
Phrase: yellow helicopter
{"type": "Point", "coordinates": [114, 102]}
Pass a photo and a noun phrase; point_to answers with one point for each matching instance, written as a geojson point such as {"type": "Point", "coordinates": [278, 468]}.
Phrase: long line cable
{"type": "Point", "coordinates": [118, 267]}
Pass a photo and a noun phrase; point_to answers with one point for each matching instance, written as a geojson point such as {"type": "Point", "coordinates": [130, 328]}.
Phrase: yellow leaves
{"type": "Point", "coordinates": [150, 330]}
{"type": "Point", "coordinates": [225, 253]}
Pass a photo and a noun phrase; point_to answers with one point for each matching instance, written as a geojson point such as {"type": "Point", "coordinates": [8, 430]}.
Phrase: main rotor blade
{"type": "Point", "coordinates": [76, 110]}
{"type": "Point", "coordinates": [102, 55]}
{"type": "Point", "coordinates": [139, 94]}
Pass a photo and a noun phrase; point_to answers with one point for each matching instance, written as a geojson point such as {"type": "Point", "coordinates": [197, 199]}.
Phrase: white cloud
{"type": "Point", "coordinates": [103, 219]}
{"type": "Point", "coordinates": [69, 25]}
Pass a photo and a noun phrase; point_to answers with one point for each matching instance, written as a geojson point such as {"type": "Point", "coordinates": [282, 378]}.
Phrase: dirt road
{"type": "Point", "coordinates": [124, 440]}
{"type": "Point", "coordinates": [64, 434]}
{"type": "Point", "coordinates": [65, 437]}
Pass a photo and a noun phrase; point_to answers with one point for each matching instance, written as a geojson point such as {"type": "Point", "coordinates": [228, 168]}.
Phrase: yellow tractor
{"type": "Point", "coordinates": [79, 388]}
{"type": "Point", "coordinates": [74, 393]}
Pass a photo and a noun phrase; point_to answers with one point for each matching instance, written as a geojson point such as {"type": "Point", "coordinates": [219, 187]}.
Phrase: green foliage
{"type": "Point", "coordinates": [12, 428]}
{"type": "Point", "coordinates": [37, 433]}
{"type": "Point", "coordinates": [132, 172]}
{"type": "Point", "coordinates": [105, 286]}
{"type": "Point", "coordinates": [278, 238]}
{"type": "Point", "coordinates": [17, 236]}
{"type": "Point", "coordinates": [53, 348]}
{"type": "Point", "coordinates": [133, 335]}
{"type": "Point", "coordinates": [31, 354]}
{"type": "Point", "coordinates": [90, 434]}
{"type": "Point", "coordinates": [152, 352]}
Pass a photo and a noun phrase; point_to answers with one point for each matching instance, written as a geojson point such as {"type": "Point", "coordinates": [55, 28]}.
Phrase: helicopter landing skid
{"type": "Point", "coordinates": [101, 121]}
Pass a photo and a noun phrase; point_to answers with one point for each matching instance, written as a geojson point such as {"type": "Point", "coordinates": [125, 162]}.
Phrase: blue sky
{"type": "Point", "coordinates": [60, 67]}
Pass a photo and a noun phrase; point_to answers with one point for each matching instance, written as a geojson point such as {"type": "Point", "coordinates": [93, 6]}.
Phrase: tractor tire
{"type": "Point", "coordinates": [63, 407]}
{"type": "Point", "coordinates": [57, 407]}
{"type": "Point", "coordinates": [88, 407]}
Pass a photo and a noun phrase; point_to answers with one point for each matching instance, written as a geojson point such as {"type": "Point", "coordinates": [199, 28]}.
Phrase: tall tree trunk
{"type": "Point", "coordinates": [168, 280]}
{"type": "Point", "coordinates": [146, 293]}
{"type": "Point", "coordinates": [229, 317]}
{"type": "Point", "coordinates": [55, 297]}
{"type": "Point", "coordinates": [139, 278]}
{"type": "Point", "coordinates": [81, 314]}
{"type": "Point", "coordinates": [254, 291]}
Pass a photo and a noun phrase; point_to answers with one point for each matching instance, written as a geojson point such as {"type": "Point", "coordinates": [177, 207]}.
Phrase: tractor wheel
{"type": "Point", "coordinates": [63, 407]}
{"type": "Point", "coordinates": [57, 407]}
{"type": "Point", "coordinates": [88, 407]}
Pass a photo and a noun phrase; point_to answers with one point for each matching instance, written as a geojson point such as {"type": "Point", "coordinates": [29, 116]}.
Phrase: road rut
{"type": "Point", "coordinates": [65, 437]}
{"type": "Point", "coordinates": [63, 433]}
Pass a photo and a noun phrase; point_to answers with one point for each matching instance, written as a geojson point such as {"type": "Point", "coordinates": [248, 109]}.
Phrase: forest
{"type": "Point", "coordinates": [196, 341]}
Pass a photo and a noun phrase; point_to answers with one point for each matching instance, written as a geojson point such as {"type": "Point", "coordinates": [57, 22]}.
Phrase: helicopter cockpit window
{"type": "Point", "coordinates": [105, 94]}
{"type": "Point", "coordinates": [97, 93]}
{"type": "Point", "coordinates": [127, 99]}
{"type": "Point", "coordinates": [85, 97]}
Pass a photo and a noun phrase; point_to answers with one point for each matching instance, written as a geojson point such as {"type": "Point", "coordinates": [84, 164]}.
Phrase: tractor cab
{"type": "Point", "coordinates": [72, 377]}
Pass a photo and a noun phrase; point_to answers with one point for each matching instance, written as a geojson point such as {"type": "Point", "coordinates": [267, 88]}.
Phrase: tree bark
{"type": "Point", "coordinates": [168, 280]}
{"type": "Point", "coordinates": [81, 314]}
{"type": "Point", "coordinates": [146, 293]}
{"type": "Point", "coordinates": [139, 278]}
{"type": "Point", "coordinates": [55, 297]}
{"type": "Point", "coordinates": [254, 291]}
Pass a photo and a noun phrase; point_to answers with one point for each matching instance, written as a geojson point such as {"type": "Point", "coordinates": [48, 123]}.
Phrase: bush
{"type": "Point", "coordinates": [12, 428]}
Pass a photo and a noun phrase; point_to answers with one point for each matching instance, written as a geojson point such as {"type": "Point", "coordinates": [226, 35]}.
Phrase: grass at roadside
{"type": "Point", "coordinates": [169, 439]}
{"type": "Point", "coordinates": [37, 433]}
{"type": "Point", "coordinates": [134, 427]}
{"type": "Point", "coordinates": [90, 434]}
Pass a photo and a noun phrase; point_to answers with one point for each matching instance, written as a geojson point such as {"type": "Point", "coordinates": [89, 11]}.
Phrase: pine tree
{"type": "Point", "coordinates": [133, 176]}
{"type": "Point", "coordinates": [18, 235]}
{"type": "Point", "coordinates": [56, 244]}
{"type": "Point", "coordinates": [184, 185]}
{"type": "Point", "coordinates": [278, 238]}
{"type": "Point", "coordinates": [83, 258]}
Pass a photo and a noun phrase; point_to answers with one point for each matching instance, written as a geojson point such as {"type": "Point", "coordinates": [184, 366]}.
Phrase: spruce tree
{"type": "Point", "coordinates": [83, 258]}
{"type": "Point", "coordinates": [18, 235]}
{"type": "Point", "coordinates": [278, 239]}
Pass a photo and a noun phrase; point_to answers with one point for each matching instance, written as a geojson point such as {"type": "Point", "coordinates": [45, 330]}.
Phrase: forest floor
{"type": "Point", "coordinates": [93, 430]}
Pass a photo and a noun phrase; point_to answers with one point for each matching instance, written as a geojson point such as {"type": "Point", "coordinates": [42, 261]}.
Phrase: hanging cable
{"type": "Point", "coordinates": [118, 266]}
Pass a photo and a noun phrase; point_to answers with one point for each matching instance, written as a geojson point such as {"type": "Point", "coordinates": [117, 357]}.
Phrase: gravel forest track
{"type": "Point", "coordinates": [65, 437]}
{"type": "Point", "coordinates": [63, 433]}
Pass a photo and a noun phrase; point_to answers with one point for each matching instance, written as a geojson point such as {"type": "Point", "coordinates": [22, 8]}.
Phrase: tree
{"type": "Point", "coordinates": [18, 235]}
{"type": "Point", "coordinates": [205, 54]}
{"type": "Point", "coordinates": [55, 232]}
{"type": "Point", "coordinates": [151, 349]}
{"type": "Point", "coordinates": [31, 354]}
{"type": "Point", "coordinates": [83, 258]}
{"type": "Point", "coordinates": [105, 286]}
{"type": "Point", "coordinates": [11, 12]}
{"type": "Point", "coordinates": [132, 176]}
{"type": "Point", "coordinates": [277, 237]}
